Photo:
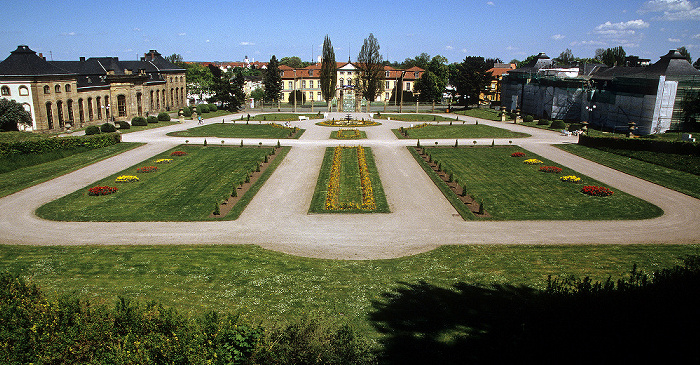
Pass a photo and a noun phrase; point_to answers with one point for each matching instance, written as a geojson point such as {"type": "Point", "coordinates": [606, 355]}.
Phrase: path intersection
{"type": "Point", "coordinates": [421, 218]}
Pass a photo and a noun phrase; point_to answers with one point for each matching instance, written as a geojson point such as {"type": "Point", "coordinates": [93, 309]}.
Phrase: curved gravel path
{"type": "Point", "coordinates": [420, 219]}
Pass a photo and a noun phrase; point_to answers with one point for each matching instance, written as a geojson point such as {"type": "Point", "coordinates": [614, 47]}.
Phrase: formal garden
{"type": "Point", "coordinates": [349, 183]}
{"type": "Point", "coordinates": [241, 130]}
{"type": "Point", "coordinates": [456, 130]}
{"type": "Point", "coordinates": [352, 133]}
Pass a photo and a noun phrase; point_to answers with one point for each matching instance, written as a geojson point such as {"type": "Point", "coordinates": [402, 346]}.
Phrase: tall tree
{"type": "Point", "coordinates": [199, 79]}
{"type": "Point", "coordinates": [421, 61]}
{"type": "Point", "coordinates": [697, 63]}
{"type": "Point", "coordinates": [565, 58]}
{"type": "Point", "coordinates": [612, 56]}
{"type": "Point", "coordinates": [229, 92]}
{"type": "Point", "coordinates": [526, 61]}
{"type": "Point", "coordinates": [471, 78]}
{"type": "Point", "coordinates": [293, 62]}
{"type": "Point", "coordinates": [438, 67]}
{"type": "Point", "coordinates": [12, 113]}
{"type": "Point", "coordinates": [273, 81]}
{"type": "Point", "coordinates": [369, 61]}
{"type": "Point", "coordinates": [175, 58]}
{"type": "Point", "coordinates": [683, 51]}
{"type": "Point", "coordinates": [430, 87]}
{"type": "Point", "coordinates": [329, 75]}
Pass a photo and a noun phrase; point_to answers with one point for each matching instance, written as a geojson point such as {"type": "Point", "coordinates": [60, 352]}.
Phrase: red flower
{"type": "Point", "coordinates": [552, 169]}
{"type": "Point", "coordinates": [596, 190]}
{"type": "Point", "coordinates": [147, 169]}
{"type": "Point", "coordinates": [101, 190]}
{"type": "Point", "coordinates": [178, 153]}
{"type": "Point", "coordinates": [517, 154]}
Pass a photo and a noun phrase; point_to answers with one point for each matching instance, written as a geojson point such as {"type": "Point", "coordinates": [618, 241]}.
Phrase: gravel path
{"type": "Point", "coordinates": [420, 219]}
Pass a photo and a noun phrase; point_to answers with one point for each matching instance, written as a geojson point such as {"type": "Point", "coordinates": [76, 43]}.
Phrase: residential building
{"type": "Point", "coordinates": [493, 94]}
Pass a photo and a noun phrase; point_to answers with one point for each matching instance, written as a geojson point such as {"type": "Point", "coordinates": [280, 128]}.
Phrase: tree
{"type": "Point", "coordinates": [430, 87]}
{"type": "Point", "coordinates": [471, 78]}
{"type": "Point", "coordinates": [273, 81]}
{"type": "Point", "coordinates": [369, 61]}
{"type": "Point", "coordinates": [229, 94]}
{"type": "Point", "coordinates": [611, 56]}
{"type": "Point", "coordinates": [691, 110]}
{"type": "Point", "coordinates": [328, 72]}
{"type": "Point", "coordinates": [418, 61]}
{"type": "Point", "coordinates": [438, 66]}
{"type": "Point", "coordinates": [697, 64]}
{"type": "Point", "coordinates": [293, 62]}
{"type": "Point", "coordinates": [174, 58]}
{"type": "Point", "coordinates": [258, 94]}
{"type": "Point", "coordinates": [298, 95]}
{"type": "Point", "coordinates": [683, 51]}
{"type": "Point", "coordinates": [527, 60]}
{"type": "Point", "coordinates": [565, 58]}
{"type": "Point", "coordinates": [12, 113]}
{"type": "Point", "coordinates": [199, 79]}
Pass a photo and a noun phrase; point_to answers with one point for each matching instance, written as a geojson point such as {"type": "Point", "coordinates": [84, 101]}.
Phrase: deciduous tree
{"type": "Point", "coordinates": [273, 81]}
{"type": "Point", "coordinates": [328, 72]}
{"type": "Point", "coordinates": [471, 78]}
{"type": "Point", "coordinates": [369, 61]}
{"type": "Point", "coordinates": [12, 113]}
{"type": "Point", "coordinates": [684, 51]}
{"type": "Point", "coordinates": [612, 56]}
{"type": "Point", "coordinates": [565, 58]}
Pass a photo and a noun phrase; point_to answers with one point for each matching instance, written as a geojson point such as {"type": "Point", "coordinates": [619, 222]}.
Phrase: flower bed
{"type": "Point", "coordinates": [517, 154]}
{"type": "Point", "coordinates": [596, 190]}
{"type": "Point", "coordinates": [101, 190]}
{"type": "Point", "coordinates": [178, 153]}
{"type": "Point", "coordinates": [164, 160]}
{"type": "Point", "coordinates": [532, 161]}
{"type": "Point", "coordinates": [570, 178]}
{"type": "Point", "coordinates": [332, 194]}
{"type": "Point", "coordinates": [343, 134]}
{"type": "Point", "coordinates": [126, 179]}
{"type": "Point", "coordinates": [147, 169]}
{"type": "Point", "coordinates": [550, 169]}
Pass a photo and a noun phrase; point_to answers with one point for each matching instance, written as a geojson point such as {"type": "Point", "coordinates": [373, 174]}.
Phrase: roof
{"type": "Point", "coordinates": [540, 61]}
{"type": "Point", "coordinates": [672, 64]}
{"type": "Point", "coordinates": [25, 62]}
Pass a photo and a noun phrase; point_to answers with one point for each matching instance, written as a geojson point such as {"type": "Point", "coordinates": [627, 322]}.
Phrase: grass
{"type": "Point", "coordinates": [230, 130]}
{"type": "Point", "coordinates": [184, 190]}
{"type": "Point", "coordinates": [217, 113]}
{"type": "Point", "coordinates": [461, 131]}
{"type": "Point", "coordinates": [284, 117]}
{"type": "Point", "coordinates": [488, 114]}
{"type": "Point", "coordinates": [512, 190]}
{"type": "Point", "coordinates": [413, 117]}
{"type": "Point", "coordinates": [273, 287]}
{"type": "Point", "coordinates": [655, 169]}
{"type": "Point", "coordinates": [14, 136]}
{"type": "Point", "coordinates": [148, 126]}
{"type": "Point", "coordinates": [348, 134]}
{"type": "Point", "coordinates": [22, 178]}
{"type": "Point", "coordinates": [349, 183]}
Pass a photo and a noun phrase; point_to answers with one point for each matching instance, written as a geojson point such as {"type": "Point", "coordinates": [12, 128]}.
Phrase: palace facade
{"type": "Point", "coordinates": [62, 94]}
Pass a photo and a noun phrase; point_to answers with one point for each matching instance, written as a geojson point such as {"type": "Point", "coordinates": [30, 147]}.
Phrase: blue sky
{"type": "Point", "coordinates": [229, 30]}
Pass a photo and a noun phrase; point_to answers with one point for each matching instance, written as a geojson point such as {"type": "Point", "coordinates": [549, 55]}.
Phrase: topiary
{"type": "Point", "coordinates": [152, 119]}
{"type": "Point", "coordinates": [164, 117]}
{"type": "Point", "coordinates": [187, 111]}
{"type": "Point", "coordinates": [575, 127]}
{"type": "Point", "coordinates": [108, 128]}
{"type": "Point", "coordinates": [123, 125]}
{"type": "Point", "coordinates": [528, 118]}
{"type": "Point", "coordinates": [558, 124]}
{"type": "Point", "coordinates": [93, 129]}
{"type": "Point", "coordinates": [212, 107]}
{"type": "Point", "coordinates": [202, 108]}
{"type": "Point", "coordinates": [139, 121]}
{"type": "Point", "coordinates": [543, 122]}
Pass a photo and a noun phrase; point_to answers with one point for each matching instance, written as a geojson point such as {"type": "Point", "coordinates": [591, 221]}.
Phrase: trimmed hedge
{"type": "Point", "coordinates": [152, 119]}
{"type": "Point", "coordinates": [139, 122]}
{"type": "Point", "coordinates": [543, 122]}
{"type": "Point", "coordinates": [187, 111]}
{"type": "Point", "coordinates": [558, 124]}
{"type": "Point", "coordinates": [93, 129]}
{"type": "Point", "coordinates": [107, 128]}
{"type": "Point", "coordinates": [61, 143]}
{"type": "Point", "coordinates": [212, 107]}
{"type": "Point", "coordinates": [123, 125]}
{"type": "Point", "coordinates": [202, 108]}
{"type": "Point", "coordinates": [163, 117]}
{"type": "Point", "coordinates": [641, 144]}
{"type": "Point", "coordinates": [528, 119]}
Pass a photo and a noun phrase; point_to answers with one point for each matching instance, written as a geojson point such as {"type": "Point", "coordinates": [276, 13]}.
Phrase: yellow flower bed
{"type": "Point", "coordinates": [126, 178]}
{"type": "Point", "coordinates": [332, 194]}
{"type": "Point", "coordinates": [532, 161]}
{"type": "Point", "coordinates": [334, 181]}
{"type": "Point", "coordinates": [341, 135]}
{"type": "Point", "coordinates": [164, 160]}
{"type": "Point", "coordinates": [367, 192]}
{"type": "Point", "coordinates": [570, 178]}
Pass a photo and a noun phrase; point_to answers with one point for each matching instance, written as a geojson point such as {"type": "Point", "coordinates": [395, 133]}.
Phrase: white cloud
{"type": "Point", "coordinates": [588, 43]}
{"type": "Point", "coordinates": [449, 48]}
{"type": "Point", "coordinates": [697, 36]}
{"type": "Point", "coordinates": [464, 50]}
{"type": "Point", "coordinates": [69, 34]}
{"type": "Point", "coordinates": [490, 3]}
{"type": "Point", "coordinates": [671, 9]}
{"type": "Point", "coordinates": [246, 44]}
{"type": "Point", "coordinates": [674, 40]}
{"type": "Point", "coordinates": [622, 26]}
{"type": "Point", "coordinates": [623, 33]}
{"type": "Point", "coordinates": [558, 37]}
{"type": "Point", "coordinates": [207, 41]}
{"type": "Point", "coordinates": [136, 29]}
{"type": "Point", "coordinates": [181, 34]}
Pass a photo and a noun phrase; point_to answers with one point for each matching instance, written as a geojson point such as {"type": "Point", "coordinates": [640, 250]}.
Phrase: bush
{"type": "Point", "coordinates": [139, 122]}
{"type": "Point", "coordinates": [123, 125]}
{"type": "Point", "coordinates": [575, 127]}
{"type": "Point", "coordinates": [202, 108]}
{"type": "Point", "coordinates": [528, 119]}
{"type": "Point", "coordinates": [558, 124]}
{"type": "Point", "coordinates": [187, 111]}
{"type": "Point", "coordinates": [152, 119]}
{"type": "Point", "coordinates": [59, 144]}
{"type": "Point", "coordinates": [163, 117]}
{"type": "Point", "coordinates": [543, 122]}
{"type": "Point", "coordinates": [108, 128]}
{"type": "Point", "coordinates": [93, 129]}
{"type": "Point", "coordinates": [212, 107]}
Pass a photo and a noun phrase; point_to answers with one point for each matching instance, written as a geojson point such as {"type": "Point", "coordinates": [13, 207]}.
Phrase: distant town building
{"type": "Point", "coordinates": [90, 91]}
{"type": "Point", "coordinates": [493, 92]}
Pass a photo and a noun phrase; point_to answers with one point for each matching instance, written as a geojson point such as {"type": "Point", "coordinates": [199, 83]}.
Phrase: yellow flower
{"type": "Point", "coordinates": [127, 178]}
{"type": "Point", "coordinates": [570, 178]}
{"type": "Point", "coordinates": [532, 161]}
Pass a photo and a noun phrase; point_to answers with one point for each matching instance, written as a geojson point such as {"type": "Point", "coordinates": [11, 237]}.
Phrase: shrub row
{"type": "Point", "coordinates": [203, 108]}
{"type": "Point", "coordinates": [56, 144]}
{"type": "Point", "coordinates": [638, 144]}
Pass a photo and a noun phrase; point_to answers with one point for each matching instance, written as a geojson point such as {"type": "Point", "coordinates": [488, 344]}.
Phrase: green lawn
{"type": "Point", "coordinates": [22, 178]}
{"type": "Point", "coordinates": [512, 190]}
{"type": "Point", "coordinates": [413, 117]}
{"type": "Point", "coordinates": [184, 190]}
{"type": "Point", "coordinates": [283, 117]}
{"type": "Point", "coordinates": [230, 130]}
{"type": "Point", "coordinates": [461, 131]}
{"type": "Point", "coordinates": [149, 126]}
{"type": "Point", "coordinates": [653, 171]}
{"type": "Point", "coordinates": [217, 113]}
{"type": "Point", "coordinates": [13, 136]}
{"type": "Point", "coordinates": [489, 114]}
{"type": "Point", "coordinates": [348, 134]}
{"type": "Point", "coordinates": [349, 183]}
{"type": "Point", "coordinates": [274, 287]}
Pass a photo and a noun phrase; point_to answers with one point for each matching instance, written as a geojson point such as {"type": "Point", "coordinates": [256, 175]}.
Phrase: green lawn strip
{"type": "Point", "coordinates": [14, 136]}
{"type": "Point", "coordinates": [276, 288]}
{"type": "Point", "coordinates": [461, 208]}
{"type": "Point", "coordinates": [248, 196]}
{"type": "Point", "coordinates": [149, 126]}
{"type": "Point", "coordinates": [512, 190]}
{"type": "Point", "coordinates": [283, 117]}
{"type": "Point", "coordinates": [347, 181]}
{"type": "Point", "coordinates": [681, 181]}
{"type": "Point", "coordinates": [348, 134]}
{"type": "Point", "coordinates": [19, 179]}
{"type": "Point", "coordinates": [489, 114]}
{"type": "Point", "coordinates": [413, 117]}
{"type": "Point", "coordinates": [461, 131]}
{"type": "Point", "coordinates": [184, 190]}
{"type": "Point", "coordinates": [350, 190]}
{"type": "Point", "coordinates": [217, 113]}
{"type": "Point", "coordinates": [230, 130]}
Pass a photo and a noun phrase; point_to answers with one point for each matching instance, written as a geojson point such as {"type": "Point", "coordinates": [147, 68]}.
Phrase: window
{"type": "Point", "coordinates": [59, 113]}
{"type": "Point", "coordinates": [121, 105]}
{"type": "Point", "coordinates": [386, 74]}
{"type": "Point", "coordinates": [172, 99]}
{"type": "Point", "coordinates": [49, 113]}
{"type": "Point", "coordinates": [47, 90]}
{"type": "Point", "coordinates": [57, 88]}
{"type": "Point", "coordinates": [416, 74]}
{"type": "Point", "coordinates": [290, 86]}
{"type": "Point", "coordinates": [387, 96]}
{"type": "Point", "coordinates": [69, 105]}
{"type": "Point", "coordinates": [162, 96]}
{"type": "Point", "coordinates": [89, 107]}
{"type": "Point", "coordinates": [98, 104]}
{"type": "Point", "coordinates": [139, 108]}
{"type": "Point", "coordinates": [151, 99]}
{"type": "Point", "coordinates": [67, 88]}
{"type": "Point", "coordinates": [5, 91]}
{"type": "Point", "coordinates": [341, 81]}
{"type": "Point", "coordinates": [23, 91]}
{"type": "Point", "coordinates": [107, 113]}
{"type": "Point", "coordinates": [318, 94]}
{"type": "Point", "coordinates": [81, 111]}
{"type": "Point", "coordinates": [408, 86]}
{"type": "Point", "coordinates": [387, 85]}
{"type": "Point", "coordinates": [157, 99]}
{"type": "Point", "coordinates": [303, 84]}
{"type": "Point", "coordinates": [311, 72]}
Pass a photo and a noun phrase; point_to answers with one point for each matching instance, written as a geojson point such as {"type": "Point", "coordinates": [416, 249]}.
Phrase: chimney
{"type": "Point", "coordinates": [82, 59]}
{"type": "Point", "coordinates": [41, 55]}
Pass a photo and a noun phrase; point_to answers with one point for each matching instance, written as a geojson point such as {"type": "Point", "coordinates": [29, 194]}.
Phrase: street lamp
{"type": "Point", "coordinates": [590, 109]}
{"type": "Point", "coordinates": [416, 94]}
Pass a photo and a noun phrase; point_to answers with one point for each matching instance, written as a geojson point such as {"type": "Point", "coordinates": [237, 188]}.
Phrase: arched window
{"type": "Point", "coordinates": [81, 111]}
{"type": "Point", "coordinates": [172, 100]}
{"type": "Point", "coordinates": [151, 101]}
{"type": "Point", "coordinates": [98, 105]}
{"type": "Point", "coordinates": [59, 113]}
{"type": "Point", "coordinates": [182, 96]}
{"type": "Point", "coordinates": [57, 88]}
{"type": "Point", "coordinates": [108, 112]}
{"type": "Point", "coordinates": [341, 81]}
{"type": "Point", "coordinates": [89, 108]}
{"type": "Point", "coordinates": [23, 91]}
{"type": "Point", "coordinates": [121, 105]}
{"type": "Point", "coordinates": [49, 114]}
{"type": "Point", "coordinates": [47, 90]}
{"type": "Point", "coordinates": [69, 106]}
{"type": "Point", "coordinates": [162, 95]}
{"type": "Point", "coordinates": [67, 88]}
{"type": "Point", "coordinates": [139, 107]}
{"type": "Point", "coordinates": [5, 91]}
{"type": "Point", "coordinates": [157, 99]}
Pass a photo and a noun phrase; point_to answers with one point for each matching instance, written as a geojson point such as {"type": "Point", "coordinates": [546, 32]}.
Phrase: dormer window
{"type": "Point", "coordinates": [386, 74]}
{"type": "Point", "coordinates": [416, 74]}
{"type": "Point", "coordinates": [47, 90]}
{"type": "Point", "coordinates": [5, 91]}
{"type": "Point", "coordinates": [311, 72]}
{"type": "Point", "coordinates": [57, 88]}
{"type": "Point", "coordinates": [67, 88]}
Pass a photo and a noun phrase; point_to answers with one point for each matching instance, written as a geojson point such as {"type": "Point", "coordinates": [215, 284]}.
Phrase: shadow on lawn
{"type": "Point", "coordinates": [640, 319]}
